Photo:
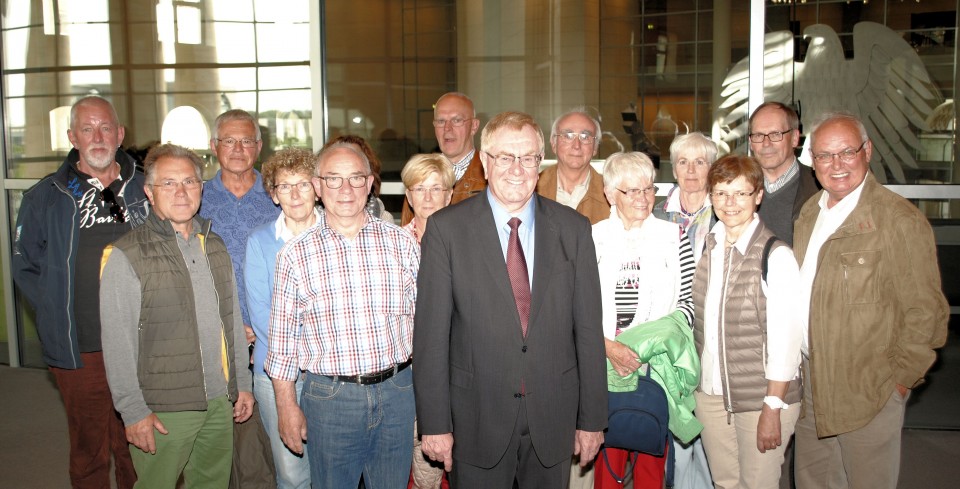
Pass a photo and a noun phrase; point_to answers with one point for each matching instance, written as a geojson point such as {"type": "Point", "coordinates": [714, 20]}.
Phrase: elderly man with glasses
{"type": "Point", "coordinates": [575, 139]}
{"type": "Point", "coordinates": [65, 220]}
{"type": "Point", "coordinates": [173, 340]}
{"type": "Point", "coordinates": [508, 345]}
{"type": "Point", "coordinates": [237, 203]}
{"type": "Point", "coordinates": [342, 313]}
{"type": "Point", "coordinates": [868, 270]}
{"type": "Point", "coordinates": [774, 133]}
{"type": "Point", "coordinates": [455, 124]}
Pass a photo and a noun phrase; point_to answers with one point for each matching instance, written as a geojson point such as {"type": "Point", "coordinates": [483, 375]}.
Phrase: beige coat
{"type": "Point", "coordinates": [594, 204]}
{"type": "Point", "coordinates": [877, 310]}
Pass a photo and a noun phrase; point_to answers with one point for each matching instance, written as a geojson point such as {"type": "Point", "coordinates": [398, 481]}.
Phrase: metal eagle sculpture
{"type": "Point", "coordinates": [885, 84]}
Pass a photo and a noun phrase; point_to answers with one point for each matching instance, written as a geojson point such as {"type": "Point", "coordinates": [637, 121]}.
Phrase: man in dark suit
{"type": "Point", "coordinates": [509, 394]}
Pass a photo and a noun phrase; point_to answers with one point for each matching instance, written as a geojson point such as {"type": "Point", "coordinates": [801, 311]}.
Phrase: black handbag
{"type": "Point", "coordinates": [639, 420]}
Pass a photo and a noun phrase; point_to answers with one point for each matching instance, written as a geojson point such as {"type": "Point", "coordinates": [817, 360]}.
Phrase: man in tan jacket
{"type": "Point", "coordinates": [575, 139]}
{"type": "Point", "coordinates": [868, 264]}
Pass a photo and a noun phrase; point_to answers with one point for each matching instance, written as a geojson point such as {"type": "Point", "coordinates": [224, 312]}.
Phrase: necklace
{"type": "Point", "coordinates": [685, 212]}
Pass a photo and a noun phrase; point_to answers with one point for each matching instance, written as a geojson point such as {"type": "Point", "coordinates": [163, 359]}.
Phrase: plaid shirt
{"type": "Point", "coordinates": [341, 306]}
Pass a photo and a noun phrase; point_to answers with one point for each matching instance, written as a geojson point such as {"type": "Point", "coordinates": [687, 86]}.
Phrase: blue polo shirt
{"type": "Point", "coordinates": [234, 219]}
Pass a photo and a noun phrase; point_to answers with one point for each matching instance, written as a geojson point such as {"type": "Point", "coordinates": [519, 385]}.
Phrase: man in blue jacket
{"type": "Point", "coordinates": [65, 221]}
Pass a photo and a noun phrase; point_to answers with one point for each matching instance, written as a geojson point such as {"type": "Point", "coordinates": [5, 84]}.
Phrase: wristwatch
{"type": "Point", "coordinates": [775, 402]}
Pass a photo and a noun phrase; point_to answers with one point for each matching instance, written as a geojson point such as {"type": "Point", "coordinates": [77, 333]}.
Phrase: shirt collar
{"type": "Point", "coordinates": [283, 233]}
{"type": "Point", "coordinates": [217, 183]}
{"type": "Point", "coordinates": [720, 232]}
{"type": "Point", "coordinates": [793, 171]}
{"type": "Point", "coordinates": [460, 167]}
{"type": "Point", "coordinates": [501, 216]}
{"type": "Point", "coordinates": [846, 204]}
{"type": "Point", "coordinates": [673, 202]}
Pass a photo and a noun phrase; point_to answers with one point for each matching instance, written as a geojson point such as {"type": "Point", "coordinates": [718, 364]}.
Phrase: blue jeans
{"type": "Point", "coordinates": [359, 429]}
{"type": "Point", "coordinates": [293, 471]}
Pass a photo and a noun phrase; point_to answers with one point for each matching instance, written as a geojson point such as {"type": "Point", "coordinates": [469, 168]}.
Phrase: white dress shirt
{"type": "Point", "coordinates": [784, 325]}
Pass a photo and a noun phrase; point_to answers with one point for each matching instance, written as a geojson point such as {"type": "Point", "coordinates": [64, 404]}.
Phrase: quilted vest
{"type": "Point", "coordinates": [170, 368]}
{"type": "Point", "coordinates": [743, 323]}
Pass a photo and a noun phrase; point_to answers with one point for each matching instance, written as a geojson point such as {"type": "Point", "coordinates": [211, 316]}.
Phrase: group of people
{"type": "Point", "coordinates": [477, 341]}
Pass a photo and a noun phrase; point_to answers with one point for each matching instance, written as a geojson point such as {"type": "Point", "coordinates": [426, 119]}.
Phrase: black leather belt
{"type": "Point", "coordinates": [374, 378]}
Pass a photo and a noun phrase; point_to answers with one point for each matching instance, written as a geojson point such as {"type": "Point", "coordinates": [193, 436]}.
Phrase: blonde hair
{"type": "Point", "coordinates": [509, 120]}
{"type": "Point", "coordinates": [419, 167]}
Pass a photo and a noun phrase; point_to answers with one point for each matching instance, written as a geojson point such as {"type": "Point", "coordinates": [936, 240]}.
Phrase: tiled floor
{"type": "Point", "coordinates": [34, 449]}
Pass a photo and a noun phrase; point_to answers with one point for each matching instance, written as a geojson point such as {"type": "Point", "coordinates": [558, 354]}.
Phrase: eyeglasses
{"type": "Point", "coordinates": [420, 191]}
{"type": "Point", "coordinates": [699, 162]}
{"type": "Point", "coordinates": [285, 188]}
{"type": "Point", "coordinates": [846, 156]}
{"type": "Point", "coordinates": [231, 142]}
{"type": "Point", "coordinates": [456, 122]}
{"type": "Point", "coordinates": [507, 160]}
{"type": "Point", "coordinates": [172, 185]}
{"type": "Point", "coordinates": [633, 193]}
{"type": "Point", "coordinates": [723, 195]}
{"type": "Point", "coordinates": [584, 137]}
{"type": "Point", "coordinates": [775, 136]}
{"type": "Point", "coordinates": [107, 196]}
{"type": "Point", "coordinates": [334, 183]}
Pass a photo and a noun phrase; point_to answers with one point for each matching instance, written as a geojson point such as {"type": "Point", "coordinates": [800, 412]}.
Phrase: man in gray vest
{"type": "Point", "coordinates": [774, 133]}
{"type": "Point", "coordinates": [172, 333]}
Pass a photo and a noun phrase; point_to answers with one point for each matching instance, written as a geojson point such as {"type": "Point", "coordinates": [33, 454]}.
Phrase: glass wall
{"type": "Point", "coordinates": [310, 70]}
{"type": "Point", "coordinates": [168, 66]}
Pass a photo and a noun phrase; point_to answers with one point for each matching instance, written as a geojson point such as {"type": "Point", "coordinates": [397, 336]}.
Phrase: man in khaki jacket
{"type": "Point", "coordinates": [869, 267]}
{"type": "Point", "coordinates": [575, 138]}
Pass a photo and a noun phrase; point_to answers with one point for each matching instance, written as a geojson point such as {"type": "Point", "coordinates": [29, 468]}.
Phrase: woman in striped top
{"type": "Point", "coordinates": [646, 272]}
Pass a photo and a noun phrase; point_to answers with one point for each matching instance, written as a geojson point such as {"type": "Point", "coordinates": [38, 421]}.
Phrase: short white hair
{"type": "Point", "coordinates": [620, 166]}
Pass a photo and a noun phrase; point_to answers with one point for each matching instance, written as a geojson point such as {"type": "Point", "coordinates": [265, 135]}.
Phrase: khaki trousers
{"type": "Point", "coordinates": [731, 445]}
{"type": "Point", "coordinates": [865, 458]}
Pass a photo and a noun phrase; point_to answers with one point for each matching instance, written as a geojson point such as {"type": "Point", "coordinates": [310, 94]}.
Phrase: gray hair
{"type": "Point", "coordinates": [234, 115]}
{"type": "Point", "coordinates": [793, 120]}
{"type": "Point", "coordinates": [620, 166]}
{"type": "Point", "coordinates": [840, 116]}
{"type": "Point", "coordinates": [577, 110]}
{"type": "Point", "coordinates": [170, 150]}
{"type": "Point", "coordinates": [90, 100]}
{"type": "Point", "coordinates": [694, 142]}
{"type": "Point", "coordinates": [335, 146]}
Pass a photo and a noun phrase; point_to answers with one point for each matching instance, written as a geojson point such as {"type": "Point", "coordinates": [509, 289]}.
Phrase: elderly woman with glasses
{"type": "Point", "coordinates": [687, 204]}
{"type": "Point", "coordinates": [748, 333]}
{"type": "Point", "coordinates": [646, 272]}
{"type": "Point", "coordinates": [287, 177]}
{"type": "Point", "coordinates": [429, 181]}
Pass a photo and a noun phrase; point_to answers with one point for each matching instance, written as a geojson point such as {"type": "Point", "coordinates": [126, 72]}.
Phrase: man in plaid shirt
{"type": "Point", "coordinates": [342, 313]}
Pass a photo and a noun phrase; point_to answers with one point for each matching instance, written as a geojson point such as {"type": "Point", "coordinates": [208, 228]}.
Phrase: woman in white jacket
{"type": "Point", "coordinates": [646, 272]}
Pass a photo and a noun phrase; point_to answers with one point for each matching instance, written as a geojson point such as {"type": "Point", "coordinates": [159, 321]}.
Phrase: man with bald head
{"type": "Point", "coordinates": [65, 221]}
{"type": "Point", "coordinates": [342, 313]}
{"type": "Point", "coordinates": [575, 139]}
{"type": "Point", "coordinates": [868, 269]}
{"type": "Point", "coordinates": [455, 124]}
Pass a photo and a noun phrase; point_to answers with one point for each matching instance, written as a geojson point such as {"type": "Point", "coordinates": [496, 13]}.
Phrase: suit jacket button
{"type": "Point", "coordinates": [524, 349]}
{"type": "Point", "coordinates": [517, 395]}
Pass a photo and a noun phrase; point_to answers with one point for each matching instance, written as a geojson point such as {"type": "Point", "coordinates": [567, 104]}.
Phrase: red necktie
{"type": "Point", "coordinates": [519, 279]}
